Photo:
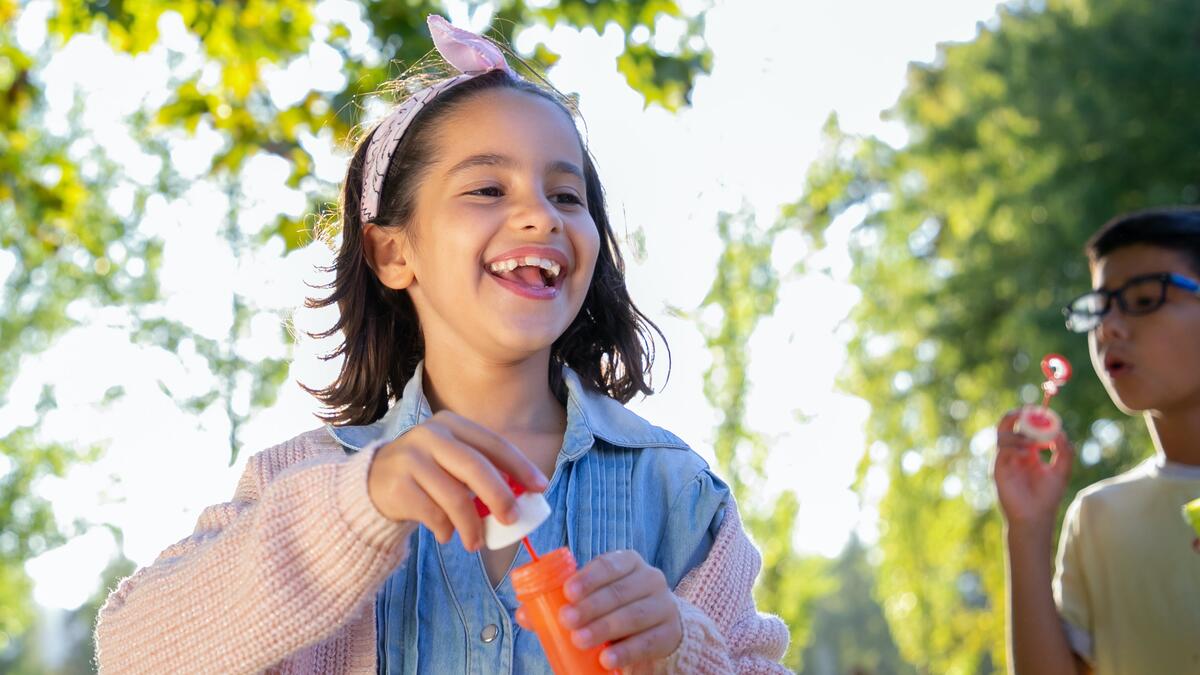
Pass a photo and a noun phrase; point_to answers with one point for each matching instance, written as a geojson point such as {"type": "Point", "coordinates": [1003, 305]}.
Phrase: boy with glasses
{"type": "Point", "coordinates": [1126, 594]}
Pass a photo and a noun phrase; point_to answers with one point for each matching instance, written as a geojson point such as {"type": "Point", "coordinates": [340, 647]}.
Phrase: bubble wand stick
{"type": "Point", "coordinates": [1039, 422]}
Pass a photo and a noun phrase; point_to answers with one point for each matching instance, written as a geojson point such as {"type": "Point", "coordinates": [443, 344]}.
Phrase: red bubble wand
{"type": "Point", "coordinates": [1039, 422]}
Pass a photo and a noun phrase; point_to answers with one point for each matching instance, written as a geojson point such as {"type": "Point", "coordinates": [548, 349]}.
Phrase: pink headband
{"type": "Point", "coordinates": [468, 53]}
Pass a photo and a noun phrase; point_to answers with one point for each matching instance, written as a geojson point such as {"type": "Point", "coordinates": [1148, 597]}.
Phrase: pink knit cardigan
{"type": "Point", "coordinates": [283, 579]}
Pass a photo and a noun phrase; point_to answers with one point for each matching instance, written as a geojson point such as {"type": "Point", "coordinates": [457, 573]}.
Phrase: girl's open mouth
{"type": "Point", "coordinates": [528, 276]}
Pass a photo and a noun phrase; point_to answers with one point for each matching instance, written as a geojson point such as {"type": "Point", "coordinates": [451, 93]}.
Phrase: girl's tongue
{"type": "Point", "coordinates": [526, 275]}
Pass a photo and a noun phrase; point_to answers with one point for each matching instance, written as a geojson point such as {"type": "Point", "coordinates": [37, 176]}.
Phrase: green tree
{"type": "Point", "coordinates": [68, 245]}
{"type": "Point", "coordinates": [850, 633]}
{"type": "Point", "coordinates": [966, 242]}
{"type": "Point", "coordinates": [745, 290]}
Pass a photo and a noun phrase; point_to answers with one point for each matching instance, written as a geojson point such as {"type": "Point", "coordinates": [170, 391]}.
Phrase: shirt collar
{"type": "Point", "coordinates": [591, 415]}
{"type": "Point", "coordinates": [1162, 466]}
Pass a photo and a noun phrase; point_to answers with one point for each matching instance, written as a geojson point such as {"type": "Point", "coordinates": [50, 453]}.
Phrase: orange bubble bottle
{"type": "Point", "coordinates": [539, 588]}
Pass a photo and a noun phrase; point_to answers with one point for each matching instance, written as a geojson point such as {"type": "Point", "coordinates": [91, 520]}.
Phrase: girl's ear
{"type": "Point", "coordinates": [387, 252]}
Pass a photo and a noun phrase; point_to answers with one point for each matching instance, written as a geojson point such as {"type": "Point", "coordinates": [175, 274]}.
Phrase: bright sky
{"type": "Point", "coordinates": [780, 68]}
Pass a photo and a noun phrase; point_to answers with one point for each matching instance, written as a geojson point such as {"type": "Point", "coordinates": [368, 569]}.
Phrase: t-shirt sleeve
{"type": "Point", "coordinates": [1070, 583]}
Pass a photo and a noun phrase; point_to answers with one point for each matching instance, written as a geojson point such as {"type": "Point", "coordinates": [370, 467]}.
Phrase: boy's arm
{"type": "Point", "coordinates": [1029, 491]}
{"type": "Point", "coordinates": [1037, 639]}
{"type": "Point", "coordinates": [722, 630]}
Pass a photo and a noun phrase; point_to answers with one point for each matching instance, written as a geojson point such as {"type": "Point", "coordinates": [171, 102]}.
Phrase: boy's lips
{"type": "Point", "coordinates": [1116, 366]}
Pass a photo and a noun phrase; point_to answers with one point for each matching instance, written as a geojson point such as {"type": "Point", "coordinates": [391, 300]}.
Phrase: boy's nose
{"type": "Point", "coordinates": [1113, 325]}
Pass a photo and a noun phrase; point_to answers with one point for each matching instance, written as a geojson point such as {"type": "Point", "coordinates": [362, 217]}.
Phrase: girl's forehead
{"type": "Point", "coordinates": [507, 122]}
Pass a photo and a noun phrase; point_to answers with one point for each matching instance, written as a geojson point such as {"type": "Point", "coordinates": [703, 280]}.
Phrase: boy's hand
{"type": "Point", "coordinates": [620, 599]}
{"type": "Point", "coordinates": [1029, 489]}
{"type": "Point", "coordinates": [432, 473]}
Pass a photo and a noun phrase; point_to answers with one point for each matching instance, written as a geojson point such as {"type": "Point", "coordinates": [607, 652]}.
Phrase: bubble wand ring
{"type": "Point", "coordinates": [1038, 422]}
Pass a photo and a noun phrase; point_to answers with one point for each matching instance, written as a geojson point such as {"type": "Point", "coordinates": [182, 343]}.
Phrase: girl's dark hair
{"type": "Point", "coordinates": [1176, 229]}
{"type": "Point", "coordinates": [609, 343]}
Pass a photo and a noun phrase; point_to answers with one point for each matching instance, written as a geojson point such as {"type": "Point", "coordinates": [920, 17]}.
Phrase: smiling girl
{"type": "Point", "coordinates": [487, 330]}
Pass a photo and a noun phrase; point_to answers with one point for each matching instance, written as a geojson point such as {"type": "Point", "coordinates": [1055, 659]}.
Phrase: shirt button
{"type": "Point", "coordinates": [489, 633]}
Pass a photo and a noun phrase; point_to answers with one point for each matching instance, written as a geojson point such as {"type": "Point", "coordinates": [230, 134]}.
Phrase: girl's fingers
{"type": "Point", "coordinates": [453, 499]}
{"type": "Point", "coordinates": [627, 619]}
{"type": "Point", "coordinates": [601, 571]}
{"type": "Point", "coordinates": [503, 454]}
{"type": "Point", "coordinates": [651, 645]}
{"type": "Point", "coordinates": [427, 512]}
{"type": "Point", "coordinates": [479, 475]}
{"type": "Point", "coordinates": [621, 592]}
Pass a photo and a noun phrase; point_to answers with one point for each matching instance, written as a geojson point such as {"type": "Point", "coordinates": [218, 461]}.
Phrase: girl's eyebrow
{"type": "Point", "coordinates": [503, 161]}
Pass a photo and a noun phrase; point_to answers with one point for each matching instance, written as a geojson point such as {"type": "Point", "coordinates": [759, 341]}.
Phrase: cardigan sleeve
{"type": "Point", "coordinates": [723, 632]}
{"type": "Point", "coordinates": [299, 552]}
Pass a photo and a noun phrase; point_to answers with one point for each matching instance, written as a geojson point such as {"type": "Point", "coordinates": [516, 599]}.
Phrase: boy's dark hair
{"type": "Point", "coordinates": [1177, 229]}
{"type": "Point", "coordinates": [609, 343]}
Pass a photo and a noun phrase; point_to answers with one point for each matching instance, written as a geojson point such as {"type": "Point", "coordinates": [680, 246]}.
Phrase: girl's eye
{"type": "Point", "coordinates": [487, 192]}
{"type": "Point", "coordinates": [567, 198]}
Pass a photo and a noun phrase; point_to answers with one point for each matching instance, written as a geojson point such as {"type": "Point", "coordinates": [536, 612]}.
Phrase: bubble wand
{"type": "Point", "coordinates": [1039, 422]}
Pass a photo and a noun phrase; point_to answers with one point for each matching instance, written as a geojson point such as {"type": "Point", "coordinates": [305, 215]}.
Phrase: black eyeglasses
{"type": "Point", "coordinates": [1139, 295]}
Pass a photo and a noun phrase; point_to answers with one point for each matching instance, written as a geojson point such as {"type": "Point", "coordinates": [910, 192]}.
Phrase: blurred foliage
{"type": "Point", "coordinates": [966, 241]}
{"type": "Point", "coordinates": [72, 249]}
{"type": "Point", "coordinates": [70, 634]}
{"type": "Point", "coordinates": [29, 528]}
{"type": "Point", "coordinates": [744, 291]}
{"type": "Point", "coordinates": [850, 633]}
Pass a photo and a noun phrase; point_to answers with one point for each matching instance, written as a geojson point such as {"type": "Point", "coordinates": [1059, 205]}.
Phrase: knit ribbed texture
{"type": "Point", "coordinates": [283, 579]}
{"type": "Point", "coordinates": [722, 630]}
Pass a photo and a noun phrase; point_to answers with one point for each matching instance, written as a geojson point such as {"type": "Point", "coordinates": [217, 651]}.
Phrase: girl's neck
{"type": "Point", "coordinates": [507, 398]}
{"type": "Point", "coordinates": [1176, 435]}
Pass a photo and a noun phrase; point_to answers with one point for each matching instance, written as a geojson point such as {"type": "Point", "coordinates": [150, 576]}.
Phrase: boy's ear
{"type": "Point", "coordinates": [387, 253]}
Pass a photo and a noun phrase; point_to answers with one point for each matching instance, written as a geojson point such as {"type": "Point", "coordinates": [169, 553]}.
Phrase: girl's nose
{"type": "Point", "coordinates": [538, 214]}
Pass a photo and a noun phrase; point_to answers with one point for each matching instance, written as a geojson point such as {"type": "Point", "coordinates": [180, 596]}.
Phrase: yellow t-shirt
{"type": "Point", "coordinates": [1128, 579]}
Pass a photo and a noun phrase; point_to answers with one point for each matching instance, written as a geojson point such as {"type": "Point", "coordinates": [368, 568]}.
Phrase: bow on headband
{"type": "Point", "coordinates": [469, 54]}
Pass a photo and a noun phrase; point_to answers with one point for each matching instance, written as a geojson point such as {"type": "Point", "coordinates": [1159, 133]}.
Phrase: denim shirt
{"type": "Point", "coordinates": [618, 483]}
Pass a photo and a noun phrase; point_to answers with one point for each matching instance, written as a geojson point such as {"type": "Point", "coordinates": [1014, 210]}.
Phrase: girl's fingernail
{"type": "Point", "coordinates": [569, 616]}
{"type": "Point", "coordinates": [608, 659]}
{"type": "Point", "coordinates": [573, 589]}
{"type": "Point", "coordinates": [582, 638]}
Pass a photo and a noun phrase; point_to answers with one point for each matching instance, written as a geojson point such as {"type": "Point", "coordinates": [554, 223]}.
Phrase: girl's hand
{"type": "Point", "coordinates": [432, 473]}
{"type": "Point", "coordinates": [620, 599]}
{"type": "Point", "coordinates": [1029, 489]}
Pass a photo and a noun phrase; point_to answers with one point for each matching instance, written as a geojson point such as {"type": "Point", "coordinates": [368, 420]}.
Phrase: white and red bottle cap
{"type": "Point", "coordinates": [532, 510]}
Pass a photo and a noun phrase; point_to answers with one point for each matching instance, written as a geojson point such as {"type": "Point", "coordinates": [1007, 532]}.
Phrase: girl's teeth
{"type": "Point", "coordinates": [530, 261]}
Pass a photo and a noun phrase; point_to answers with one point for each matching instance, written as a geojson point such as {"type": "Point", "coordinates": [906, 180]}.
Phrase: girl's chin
{"type": "Point", "coordinates": [522, 338]}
